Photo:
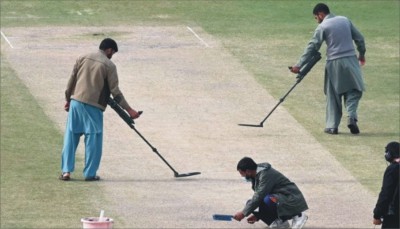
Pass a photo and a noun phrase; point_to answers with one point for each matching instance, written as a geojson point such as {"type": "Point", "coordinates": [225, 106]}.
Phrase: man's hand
{"type": "Point", "coordinates": [377, 221]}
{"type": "Point", "coordinates": [134, 114]}
{"type": "Point", "coordinates": [252, 219]}
{"type": "Point", "coordinates": [294, 69]}
{"type": "Point", "coordinates": [361, 59]}
{"type": "Point", "coordinates": [238, 216]}
{"type": "Point", "coordinates": [66, 106]}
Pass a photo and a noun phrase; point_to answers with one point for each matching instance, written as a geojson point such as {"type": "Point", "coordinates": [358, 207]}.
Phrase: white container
{"type": "Point", "coordinates": [93, 222]}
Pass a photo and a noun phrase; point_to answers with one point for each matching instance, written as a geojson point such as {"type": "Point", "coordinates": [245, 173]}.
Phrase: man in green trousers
{"type": "Point", "coordinates": [343, 77]}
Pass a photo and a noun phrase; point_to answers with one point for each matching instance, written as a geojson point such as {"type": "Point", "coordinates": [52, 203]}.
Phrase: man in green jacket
{"type": "Point", "coordinates": [276, 197]}
{"type": "Point", "coordinates": [343, 77]}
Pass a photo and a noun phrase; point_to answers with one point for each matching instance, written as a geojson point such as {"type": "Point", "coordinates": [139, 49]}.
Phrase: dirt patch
{"type": "Point", "coordinates": [193, 96]}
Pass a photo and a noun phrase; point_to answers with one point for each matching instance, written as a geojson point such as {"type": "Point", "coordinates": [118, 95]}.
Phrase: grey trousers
{"type": "Point", "coordinates": [334, 105]}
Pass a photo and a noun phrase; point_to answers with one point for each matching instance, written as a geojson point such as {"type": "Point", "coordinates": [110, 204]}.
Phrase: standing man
{"type": "Point", "coordinates": [386, 211]}
{"type": "Point", "coordinates": [343, 77]}
{"type": "Point", "coordinates": [276, 197]}
{"type": "Point", "coordinates": [94, 77]}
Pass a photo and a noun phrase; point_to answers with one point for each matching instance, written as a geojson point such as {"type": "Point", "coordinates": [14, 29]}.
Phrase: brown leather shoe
{"type": "Point", "coordinates": [331, 130]}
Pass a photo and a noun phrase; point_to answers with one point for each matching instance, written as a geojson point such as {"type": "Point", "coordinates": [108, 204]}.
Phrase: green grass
{"type": "Point", "coordinates": [31, 194]}
{"type": "Point", "coordinates": [266, 36]}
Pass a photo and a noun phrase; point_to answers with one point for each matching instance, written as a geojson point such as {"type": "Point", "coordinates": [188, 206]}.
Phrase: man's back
{"type": "Point", "coordinates": [94, 70]}
{"type": "Point", "coordinates": [338, 37]}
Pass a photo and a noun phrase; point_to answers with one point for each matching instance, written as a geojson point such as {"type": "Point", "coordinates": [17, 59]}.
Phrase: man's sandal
{"type": "Point", "coordinates": [64, 176]}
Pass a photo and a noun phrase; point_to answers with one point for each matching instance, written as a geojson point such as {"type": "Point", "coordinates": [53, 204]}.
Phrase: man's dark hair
{"type": "Point", "coordinates": [321, 7]}
{"type": "Point", "coordinates": [393, 148]}
{"type": "Point", "coordinates": [246, 163]}
{"type": "Point", "coordinates": [108, 43]}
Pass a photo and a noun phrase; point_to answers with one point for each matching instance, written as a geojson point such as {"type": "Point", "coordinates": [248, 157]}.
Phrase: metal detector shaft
{"type": "Point", "coordinates": [122, 113]}
{"type": "Point", "coordinates": [154, 150]}
{"type": "Point", "coordinates": [131, 123]}
{"type": "Point", "coordinates": [300, 76]}
{"type": "Point", "coordinates": [176, 174]}
{"type": "Point", "coordinates": [280, 101]}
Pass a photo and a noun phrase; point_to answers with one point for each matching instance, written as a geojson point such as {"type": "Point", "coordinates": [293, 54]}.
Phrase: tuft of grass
{"type": "Point", "coordinates": [31, 194]}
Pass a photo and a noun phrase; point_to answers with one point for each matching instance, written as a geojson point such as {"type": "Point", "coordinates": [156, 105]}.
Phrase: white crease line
{"type": "Point", "coordinates": [191, 30]}
{"type": "Point", "coordinates": [9, 43]}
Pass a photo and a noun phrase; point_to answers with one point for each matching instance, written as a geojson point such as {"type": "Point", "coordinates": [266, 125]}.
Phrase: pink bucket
{"type": "Point", "coordinates": [93, 222]}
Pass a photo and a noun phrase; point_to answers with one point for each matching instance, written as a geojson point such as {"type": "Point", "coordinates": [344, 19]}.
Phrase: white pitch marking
{"type": "Point", "coordinates": [191, 30]}
{"type": "Point", "coordinates": [9, 43]}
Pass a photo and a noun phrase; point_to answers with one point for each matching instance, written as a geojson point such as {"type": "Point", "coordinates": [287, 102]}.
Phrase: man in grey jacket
{"type": "Point", "coordinates": [276, 197]}
{"type": "Point", "coordinates": [343, 77]}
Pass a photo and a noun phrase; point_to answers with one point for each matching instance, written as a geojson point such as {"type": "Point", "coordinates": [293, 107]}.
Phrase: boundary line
{"type": "Point", "coordinates": [198, 37]}
{"type": "Point", "coordinates": [9, 43]}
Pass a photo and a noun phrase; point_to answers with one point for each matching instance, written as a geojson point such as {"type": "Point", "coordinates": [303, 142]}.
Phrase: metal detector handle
{"type": "Point", "coordinates": [121, 112]}
{"type": "Point", "coordinates": [310, 64]}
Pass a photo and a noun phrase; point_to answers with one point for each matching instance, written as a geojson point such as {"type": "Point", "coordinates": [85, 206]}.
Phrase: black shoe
{"type": "Point", "coordinates": [95, 178]}
{"type": "Point", "coordinates": [352, 125]}
{"type": "Point", "coordinates": [331, 130]}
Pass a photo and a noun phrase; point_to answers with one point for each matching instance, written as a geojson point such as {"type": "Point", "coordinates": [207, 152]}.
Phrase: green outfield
{"type": "Point", "coordinates": [265, 36]}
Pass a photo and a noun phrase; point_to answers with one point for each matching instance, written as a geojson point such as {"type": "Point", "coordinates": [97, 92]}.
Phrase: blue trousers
{"type": "Point", "coordinates": [86, 120]}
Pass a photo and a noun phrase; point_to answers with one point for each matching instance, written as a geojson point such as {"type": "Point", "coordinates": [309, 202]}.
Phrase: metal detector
{"type": "Point", "coordinates": [125, 116]}
{"type": "Point", "coordinates": [303, 72]}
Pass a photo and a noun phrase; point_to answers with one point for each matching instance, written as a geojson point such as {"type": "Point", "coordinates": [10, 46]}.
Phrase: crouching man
{"type": "Point", "coordinates": [277, 198]}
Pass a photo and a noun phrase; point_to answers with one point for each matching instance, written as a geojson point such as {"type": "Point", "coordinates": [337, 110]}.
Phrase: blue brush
{"type": "Point", "coordinates": [222, 217]}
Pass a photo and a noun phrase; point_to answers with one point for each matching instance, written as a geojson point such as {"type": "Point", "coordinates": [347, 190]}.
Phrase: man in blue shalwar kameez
{"type": "Point", "coordinates": [93, 79]}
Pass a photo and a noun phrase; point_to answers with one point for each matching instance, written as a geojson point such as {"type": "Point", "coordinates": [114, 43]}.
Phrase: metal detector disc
{"type": "Point", "coordinates": [251, 125]}
{"type": "Point", "coordinates": [187, 174]}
